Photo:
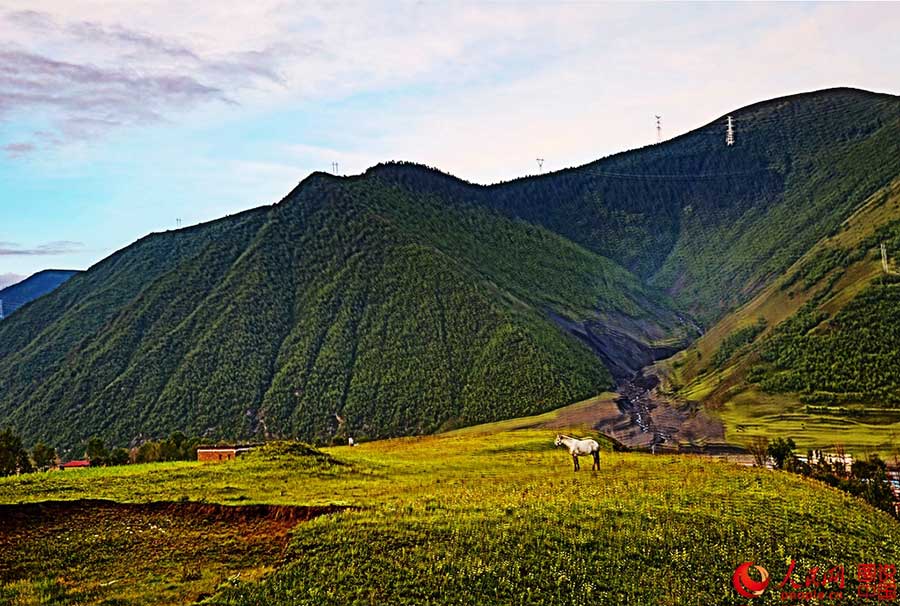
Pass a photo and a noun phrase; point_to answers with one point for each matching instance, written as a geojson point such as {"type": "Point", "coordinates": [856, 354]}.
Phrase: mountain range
{"type": "Point", "coordinates": [36, 285]}
{"type": "Point", "coordinates": [405, 300]}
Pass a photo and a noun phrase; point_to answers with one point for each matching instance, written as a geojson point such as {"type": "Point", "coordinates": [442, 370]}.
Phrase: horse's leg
{"type": "Point", "coordinates": [575, 458]}
{"type": "Point", "coordinates": [596, 456]}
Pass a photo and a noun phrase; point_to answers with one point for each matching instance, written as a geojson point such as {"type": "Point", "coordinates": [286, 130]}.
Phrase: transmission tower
{"type": "Point", "coordinates": [1, 309]}
{"type": "Point", "coordinates": [540, 162]}
{"type": "Point", "coordinates": [178, 222]}
{"type": "Point", "coordinates": [658, 129]}
{"type": "Point", "coordinates": [729, 132]}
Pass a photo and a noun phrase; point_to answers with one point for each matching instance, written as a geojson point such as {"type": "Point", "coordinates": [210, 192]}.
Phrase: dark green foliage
{"type": "Point", "coordinates": [736, 340]}
{"type": "Point", "coordinates": [821, 265]}
{"type": "Point", "coordinates": [13, 456]}
{"type": "Point", "coordinates": [709, 223]}
{"type": "Point", "coordinates": [781, 450]}
{"type": "Point", "coordinates": [399, 313]}
{"type": "Point", "coordinates": [867, 479]}
{"type": "Point", "coordinates": [96, 452]}
{"type": "Point", "coordinates": [176, 447]}
{"type": "Point", "coordinates": [850, 358]}
{"type": "Point", "coordinates": [847, 359]}
{"type": "Point", "coordinates": [404, 300]}
{"type": "Point", "coordinates": [118, 456]}
{"type": "Point", "coordinates": [43, 456]}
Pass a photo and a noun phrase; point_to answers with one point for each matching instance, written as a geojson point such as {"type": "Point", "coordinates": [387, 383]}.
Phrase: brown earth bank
{"type": "Point", "coordinates": [14, 515]}
{"type": "Point", "coordinates": [97, 551]}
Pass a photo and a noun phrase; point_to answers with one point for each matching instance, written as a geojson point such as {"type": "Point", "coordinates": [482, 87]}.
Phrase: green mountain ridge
{"type": "Point", "coordinates": [814, 354]}
{"type": "Point", "coordinates": [350, 299]}
{"type": "Point", "coordinates": [712, 224]}
{"type": "Point", "coordinates": [406, 301]}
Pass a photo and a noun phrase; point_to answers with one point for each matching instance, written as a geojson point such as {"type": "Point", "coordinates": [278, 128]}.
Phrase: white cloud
{"type": "Point", "coordinates": [478, 89]}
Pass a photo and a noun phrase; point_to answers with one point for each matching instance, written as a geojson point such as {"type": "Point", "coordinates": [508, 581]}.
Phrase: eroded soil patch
{"type": "Point", "coordinates": [97, 551]}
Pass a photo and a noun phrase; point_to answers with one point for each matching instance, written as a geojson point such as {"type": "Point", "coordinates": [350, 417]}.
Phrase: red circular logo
{"type": "Point", "coordinates": [745, 585]}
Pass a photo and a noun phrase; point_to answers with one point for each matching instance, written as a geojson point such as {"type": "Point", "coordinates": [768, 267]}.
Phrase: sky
{"type": "Point", "coordinates": [119, 118]}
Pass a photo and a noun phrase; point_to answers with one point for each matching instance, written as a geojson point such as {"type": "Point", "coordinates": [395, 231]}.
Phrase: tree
{"type": "Point", "coordinates": [868, 470]}
{"type": "Point", "coordinates": [43, 456]}
{"type": "Point", "coordinates": [118, 456]}
{"type": "Point", "coordinates": [759, 448]}
{"type": "Point", "coordinates": [96, 452]}
{"type": "Point", "coordinates": [13, 456]}
{"type": "Point", "coordinates": [147, 452]}
{"type": "Point", "coordinates": [781, 450]}
{"type": "Point", "coordinates": [841, 452]}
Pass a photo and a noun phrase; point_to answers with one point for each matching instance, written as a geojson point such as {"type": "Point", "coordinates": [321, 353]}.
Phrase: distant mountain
{"type": "Point", "coordinates": [405, 300]}
{"type": "Point", "coordinates": [15, 296]}
{"type": "Point", "coordinates": [9, 279]}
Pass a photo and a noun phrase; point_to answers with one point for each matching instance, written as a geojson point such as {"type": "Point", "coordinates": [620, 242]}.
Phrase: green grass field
{"type": "Point", "coordinates": [481, 516]}
{"type": "Point", "coordinates": [752, 413]}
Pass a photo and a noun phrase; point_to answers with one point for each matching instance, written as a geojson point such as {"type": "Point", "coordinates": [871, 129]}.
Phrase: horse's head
{"type": "Point", "coordinates": [559, 440]}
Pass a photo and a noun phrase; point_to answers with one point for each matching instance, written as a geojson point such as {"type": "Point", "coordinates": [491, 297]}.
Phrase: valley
{"type": "Point", "coordinates": [839, 285]}
{"type": "Point", "coordinates": [449, 304]}
{"type": "Point", "coordinates": [407, 301]}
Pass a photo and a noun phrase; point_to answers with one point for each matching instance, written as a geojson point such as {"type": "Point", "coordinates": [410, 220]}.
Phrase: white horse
{"type": "Point", "coordinates": [579, 448]}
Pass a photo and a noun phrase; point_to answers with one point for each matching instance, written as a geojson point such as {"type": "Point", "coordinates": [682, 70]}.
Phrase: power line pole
{"type": "Point", "coordinates": [540, 162]}
{"type": "Point", "coordinates": [658, 129]}
{"type": "Point", "coordinates": [729, 132]}
{"type": "Point", "coordinates": [178, 222]}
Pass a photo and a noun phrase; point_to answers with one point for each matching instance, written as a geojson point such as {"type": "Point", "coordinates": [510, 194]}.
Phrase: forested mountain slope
{"type": "Point", "coordinates": [815, 353]}
{"type": "Point", "coordinates": [351, 298]}
{"type": "Point", "coordinates": [708, 222]}
{"type": "Point", "coordinates": [405, 300]}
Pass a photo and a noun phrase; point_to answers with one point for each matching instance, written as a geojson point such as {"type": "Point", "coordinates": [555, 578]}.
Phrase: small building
{"type": "Point", "coordinates": [842, 462]}
{"type": "Point", "coordinates": [222, 453]}
{"type": "Point", "coordinates": [74, 464]}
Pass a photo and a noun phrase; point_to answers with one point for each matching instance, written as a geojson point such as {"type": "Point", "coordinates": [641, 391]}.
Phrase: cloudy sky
{"type": "Point", "coordinates": [117, 118]}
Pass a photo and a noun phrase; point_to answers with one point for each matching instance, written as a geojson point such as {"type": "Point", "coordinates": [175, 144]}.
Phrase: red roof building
{"type": "Point", "coordinates": [75, 464]}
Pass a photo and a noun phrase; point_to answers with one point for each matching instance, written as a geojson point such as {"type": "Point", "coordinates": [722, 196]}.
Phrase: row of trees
{"type": "Point", "coordinates": [15, 458]}
{"type": "Point", "coordinates": [867, 478]}
{"type": "Point", "coordinates": [176, 447]}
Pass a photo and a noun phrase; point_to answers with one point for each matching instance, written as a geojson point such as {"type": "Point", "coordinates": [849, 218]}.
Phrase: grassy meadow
{"type": "Point", "coordinates": [488, 515]}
